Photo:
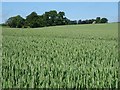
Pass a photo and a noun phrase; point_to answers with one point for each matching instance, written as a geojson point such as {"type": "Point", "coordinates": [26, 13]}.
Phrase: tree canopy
{"type": "Point", "coordinates": [16, 22]}
{"type": "Point", "coordinates": [50, 18]}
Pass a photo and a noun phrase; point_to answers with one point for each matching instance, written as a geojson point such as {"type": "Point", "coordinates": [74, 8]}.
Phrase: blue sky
{"type": "Point", "coordinates": [73, 10]}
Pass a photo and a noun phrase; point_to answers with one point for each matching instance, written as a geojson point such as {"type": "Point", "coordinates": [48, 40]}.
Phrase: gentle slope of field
{"type": "Point", "coordinates": [61, 56]}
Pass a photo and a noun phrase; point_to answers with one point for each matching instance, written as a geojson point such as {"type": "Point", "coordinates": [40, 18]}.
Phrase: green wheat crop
{"type": "Point", "coordinates": [70, 56]}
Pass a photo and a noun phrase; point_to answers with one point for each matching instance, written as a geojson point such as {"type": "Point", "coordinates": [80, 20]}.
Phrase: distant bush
{"type": "Point", "coordinates": [104, 20]}
{"type": "Point", "coordinates": [3, 24]}
{"type": "Point", "coordinates": [91, 21]}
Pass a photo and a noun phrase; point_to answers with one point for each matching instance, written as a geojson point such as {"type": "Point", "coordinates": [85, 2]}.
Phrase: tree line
{"type": "Point", "coordinates": [51, 18]}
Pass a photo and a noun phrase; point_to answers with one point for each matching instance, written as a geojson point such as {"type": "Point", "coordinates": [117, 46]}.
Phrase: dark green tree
{"type": "Point", "coordinates": [32, 20]}
{"type": "Point", "coordinates": [41, 21]}
{"type": "Point", "coordinates": [61, 19]}
{"type": "Point", "coordinates": [91, 21]}
{"type": "Point", "coordinates": [79, 21]}
{"type": "Point", "coordinates": [46, 18]}
{"type": "Point", "coordinates": [98, 20]}
{"type": "Point", "coordinates": [15, 22]}
{"type": "Point", "coordinates": [104, 20]}
{"type": "Point", "coordinates": [73, 22]}
{"type": "Point", "coordinates": [52, 17]}
{"type": "Point", "coordinates": [61, 14]}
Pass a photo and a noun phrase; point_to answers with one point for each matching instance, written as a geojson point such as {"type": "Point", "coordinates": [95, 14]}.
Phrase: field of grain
{"type": "Point", "coordinates": [62, 56]}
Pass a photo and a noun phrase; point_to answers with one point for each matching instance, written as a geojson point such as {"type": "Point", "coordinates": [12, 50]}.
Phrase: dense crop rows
{"type": "Point", "coordinates": [68, 56]}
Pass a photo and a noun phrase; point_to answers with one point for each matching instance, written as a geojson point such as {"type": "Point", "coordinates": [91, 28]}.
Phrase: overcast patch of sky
{"type": "Point", "coordinates": [73, 10]}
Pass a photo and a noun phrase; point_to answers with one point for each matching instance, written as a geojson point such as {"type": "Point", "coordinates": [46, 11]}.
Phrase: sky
{"type": "Point", "coordinates": [60, 0]}
{"type": "Point", "coordinates": [73, 10]}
